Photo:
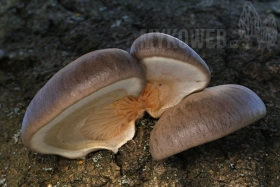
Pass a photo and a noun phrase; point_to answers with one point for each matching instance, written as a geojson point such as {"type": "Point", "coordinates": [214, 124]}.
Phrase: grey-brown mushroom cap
{"type": "Point", "coordinates": [164, 45]}
{"type": "Point", "coordinates": [77, 80]}
{"type": "Point", "coordinates": [172, 66]}
{"type": "Point", "coordinates": [204, 116]}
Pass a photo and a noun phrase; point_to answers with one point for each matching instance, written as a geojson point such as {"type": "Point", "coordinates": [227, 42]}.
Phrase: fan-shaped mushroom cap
{"type": "Point", "coordinates": [172, 67]}
{"type": "Point", "coordinates": [66, 117]}
{"type": "Point", "coordinates": [203, 117]}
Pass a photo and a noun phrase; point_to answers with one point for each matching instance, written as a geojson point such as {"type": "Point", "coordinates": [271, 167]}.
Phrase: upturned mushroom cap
{"type": "Point", "coordinates": [67, 116]}
{"type": "Point", "coordinates": [204, 116]}
{"type": "Point", "coordinates": [172, 67]}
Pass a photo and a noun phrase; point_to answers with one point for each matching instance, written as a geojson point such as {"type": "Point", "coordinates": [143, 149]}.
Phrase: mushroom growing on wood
{"type": "Point", "coordinates": [82, 108]}
{"type": "Point", "coordinates": [93, 102]}
{"type": "Point", "coordinates": [204, 116]}
{"type": "Point", "coordinates": [173, 69]}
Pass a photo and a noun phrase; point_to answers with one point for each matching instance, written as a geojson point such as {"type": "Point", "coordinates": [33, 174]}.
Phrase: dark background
{"type": "Point", "coordinates": [37, 38]}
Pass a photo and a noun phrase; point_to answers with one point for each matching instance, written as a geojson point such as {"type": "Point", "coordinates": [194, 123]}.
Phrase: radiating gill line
{"type": "Point", "coordinates": [107, 129]}
{"type": "Point", "coordinates": [106, 115]}
{"type": "Point", "coordinates": [126, 103]}
{"type": "Point", "coordinates": [107, 109]}
{"type": "Point", "coordinates": [95, 122]}
{"type": "Point", "coordinates": [124, 107]}
{"type": "Point", "coordinates": [111, 120]}
{"type": "Point", "coordinates": [102, 133]}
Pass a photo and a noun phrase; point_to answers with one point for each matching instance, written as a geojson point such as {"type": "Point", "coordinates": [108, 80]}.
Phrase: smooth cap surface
{"type": "Point", "coordinates": [172, 66]}
{"type": "Point", "coordinates": [204, 116]}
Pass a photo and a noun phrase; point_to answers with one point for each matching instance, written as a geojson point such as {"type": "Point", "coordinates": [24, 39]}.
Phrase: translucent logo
{"type": "Point", "coordinates": [251, 27]}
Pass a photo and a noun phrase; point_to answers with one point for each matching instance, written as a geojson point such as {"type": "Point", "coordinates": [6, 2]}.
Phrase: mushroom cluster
{"type": "Point", "coordinates": [93, 102]}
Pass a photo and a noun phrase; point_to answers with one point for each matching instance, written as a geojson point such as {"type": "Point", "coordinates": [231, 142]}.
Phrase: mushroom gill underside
{"type": "Point", "coordinates": [92, 127]}
{"type": "Point", "coordinates": [113, 119]}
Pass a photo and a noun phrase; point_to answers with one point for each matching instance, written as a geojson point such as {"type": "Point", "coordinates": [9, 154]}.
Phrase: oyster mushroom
{"type": "Point", "coordinates": [173, 69]}
{"type": "Point", "coordinates": [75, 112]}
{"type": "Point", "coordinates": [93, 102]}
{"type": "Point", "coordinates": [204, 116]}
